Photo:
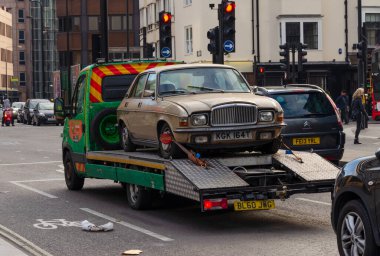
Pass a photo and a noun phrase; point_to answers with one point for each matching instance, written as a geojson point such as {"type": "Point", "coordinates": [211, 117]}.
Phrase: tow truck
{"type": "Point", "coordinates": [242, 181]}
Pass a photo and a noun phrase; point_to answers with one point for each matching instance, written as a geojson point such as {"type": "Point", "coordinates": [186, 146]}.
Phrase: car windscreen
{"type": "Point", "coordinates": [115, 87]}
{"type": "Point", "coordinates": [17, 104]}
{"type": "Point", "coordinates": [304, 104]}
{"type": "Point", "coordinates": [201, 80]}
{"type": "Point", "coordinates": [33, 103]}
{"type": "Point", "coordinates": [46, 106]}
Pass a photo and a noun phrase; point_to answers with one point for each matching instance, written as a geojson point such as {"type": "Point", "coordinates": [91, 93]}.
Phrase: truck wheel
{"type": "Point", "coordinates": [169, 150]}
{"type": "Point", "coordinates": [73, 181]}
{"type": "Point", "coordinates": [354, 231]}
{"type": "Point", "coordinates": [139, 198]}
{"type": "Point", "coordinates": [104, 129]}
{"type": "Point", "coordinates": [125, 139]}
{"type": "Point", "coordinates": [272, 147]}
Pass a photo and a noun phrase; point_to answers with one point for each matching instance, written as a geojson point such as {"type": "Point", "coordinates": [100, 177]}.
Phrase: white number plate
{"type": "Point", "coordinates": [51, 118]}
{"type": "Point", "coordinates": [235, 135]}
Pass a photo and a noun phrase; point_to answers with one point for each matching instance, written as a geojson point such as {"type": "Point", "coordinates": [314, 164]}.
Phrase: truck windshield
{"type": "Point", "coordinates": [201, 80]}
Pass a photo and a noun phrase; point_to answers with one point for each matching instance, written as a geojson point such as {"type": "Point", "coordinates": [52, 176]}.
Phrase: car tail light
{"type": "Point", "coordinates": [215, 204]}
{"type": "Point", "coordinates": [336, 111]}
{"type": "Point", "coordinates": [5, 115]}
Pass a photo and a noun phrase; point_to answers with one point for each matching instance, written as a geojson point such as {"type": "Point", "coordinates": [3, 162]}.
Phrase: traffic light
{"type": "Point", "coordinates": [362, 48]}
{"type": "Point", "coordinates": [228, 25]}
{"type": "Point", "coordinates": [149, 50]}
{"type": "Point", "coordinates": [285, 53]}
{"type": "Point", "coordinates": [213, 46]}
{"type": "Point", "coordinates": [301, 54]}
{"type": "Point", "coordinates": [165, 28]}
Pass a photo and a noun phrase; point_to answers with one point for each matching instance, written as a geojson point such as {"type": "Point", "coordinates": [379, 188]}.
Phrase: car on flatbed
{"type": "Point", "coordinates": [355, 212]}
{"type": "Point", "coordinates": [201, 106]}
{"type": "Point", "coordinates": [312, 119]}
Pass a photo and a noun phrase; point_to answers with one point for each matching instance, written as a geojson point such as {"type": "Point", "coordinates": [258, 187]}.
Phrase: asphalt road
{"type": "Point", "coordinates": [33, 192]}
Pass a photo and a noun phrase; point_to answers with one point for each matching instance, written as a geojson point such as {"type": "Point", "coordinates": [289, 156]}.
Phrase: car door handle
{"type": "Point", "coordinates": [126, 104]}
{"type": "Point", "coordinates": [139, 105]}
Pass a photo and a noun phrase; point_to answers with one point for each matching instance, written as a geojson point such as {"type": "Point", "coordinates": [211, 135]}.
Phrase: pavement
{"type": "Point", "coordinates": [8, 249]}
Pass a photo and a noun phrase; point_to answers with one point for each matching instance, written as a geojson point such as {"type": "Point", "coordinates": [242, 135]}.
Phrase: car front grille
{"type": "Point", "coordinates": [234, 114]}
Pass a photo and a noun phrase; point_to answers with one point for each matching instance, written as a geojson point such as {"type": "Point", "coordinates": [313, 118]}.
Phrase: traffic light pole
{"type": "Point", "coordinates": [360, 39]}
{"type": "Point", "coordinates": [220, 54]}
{"type": "Point", "coordinates": [293, 64]}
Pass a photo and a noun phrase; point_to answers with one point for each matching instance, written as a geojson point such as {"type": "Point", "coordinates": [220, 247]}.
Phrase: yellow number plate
{"type": "Point", "coordinates": [254, 205]}
{"type": "Point", "coordinates": [306, 141]}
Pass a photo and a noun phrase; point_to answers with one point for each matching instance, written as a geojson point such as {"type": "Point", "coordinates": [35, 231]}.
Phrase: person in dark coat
{"type": "Point", "coordinates": [358, 111]}
{"type": "Point", "coordinates": [342, 103]}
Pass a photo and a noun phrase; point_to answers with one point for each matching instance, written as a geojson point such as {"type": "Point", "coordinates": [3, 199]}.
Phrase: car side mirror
{"type": "Point", "coordinates": [377, 154]}
{"type": "Point", "coordinates": [253, 88]}
{"type": "Point", "coordinates": [148, 93]}
{"type": "Point", "coordinates": [260, 93]}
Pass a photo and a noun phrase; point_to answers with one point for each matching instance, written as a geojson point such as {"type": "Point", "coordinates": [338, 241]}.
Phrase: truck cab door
{"type": "Point", "coordinates": [76, 123]}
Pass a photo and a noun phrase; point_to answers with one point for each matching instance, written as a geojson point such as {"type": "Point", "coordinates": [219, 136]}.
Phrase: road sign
{"type": "Point", "coordinates": [14, 79]}
{"type": "Point", "coordinates": [166, 52]}
{"type": "Point", "coordinates": [228, 46]}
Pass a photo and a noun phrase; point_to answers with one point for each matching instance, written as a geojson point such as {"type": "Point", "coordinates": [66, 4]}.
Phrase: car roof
{"type": "Point", "coordinates": [291, 88]}
{"type": "Point", "coordinates": [186, 66]}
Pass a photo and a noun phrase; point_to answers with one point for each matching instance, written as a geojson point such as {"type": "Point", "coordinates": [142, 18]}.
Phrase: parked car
{"type": "Point", "coordinates": [29, 106]}
{"type": "Point", "coordinates": [20, 114]}
{"type": "Point", "coordinates": [312, 120]}
{"type": "Point", "coordinates": [355, 212]}
{"type": "Point", "coordinates": [15, 107]}
{"type": "Point", "coordinates": [201, 106]}
{"type": "Point", "coordinates": [43, 113]}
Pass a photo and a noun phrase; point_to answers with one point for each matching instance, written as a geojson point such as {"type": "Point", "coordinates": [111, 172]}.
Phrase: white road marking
{"type": "Point", "coordinates": [312, 201]}
{"type": "Point", "coordinates": [15, 164]}
{"type": "Point", "coordinates": [129, 225]}
{"type": "Point", "coordinates": [61, 171]}
{"type": "Point", "coordinates": [18, 183]}
{"type": "Point", "coordinates": [61, 166]}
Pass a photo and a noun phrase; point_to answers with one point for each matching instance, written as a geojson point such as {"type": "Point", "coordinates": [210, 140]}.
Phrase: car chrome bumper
{"type": "Point", "coordinates": [229, 128]}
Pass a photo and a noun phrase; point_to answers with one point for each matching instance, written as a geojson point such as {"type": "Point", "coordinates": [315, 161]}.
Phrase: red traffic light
{"type": "Point", "coordinates": [229, 7]}
{"type": "Point", "coordinates": [166, 17]}
{"type": "Point", "coordinates": [261, 70]}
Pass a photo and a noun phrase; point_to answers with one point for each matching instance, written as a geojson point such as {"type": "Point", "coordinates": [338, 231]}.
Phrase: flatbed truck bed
{"type": "Point", "coordinates": [242, 177]}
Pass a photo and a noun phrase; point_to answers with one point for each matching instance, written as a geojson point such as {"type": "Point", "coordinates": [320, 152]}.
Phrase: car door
{"type": "Point", "coordinates": [132, 107]}
{"type": "Point", "coordinates": [148, 110]}
{"type": "Point", "coordinates": [76, 122]}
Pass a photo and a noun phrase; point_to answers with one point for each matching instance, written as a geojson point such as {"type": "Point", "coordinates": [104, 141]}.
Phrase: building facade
{"type": "Point", "coordinates": [6, 53]}
{"type": "Point", "coordinates": [330, 28]}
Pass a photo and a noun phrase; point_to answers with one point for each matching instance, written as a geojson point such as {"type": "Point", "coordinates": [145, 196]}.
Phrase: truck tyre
{"type": "Point", "coordinates": [354, 231]}
{"type": "Point", "coordinates": [125, 139]}
{"type": "Point", "coordinates": [139, 198]}
{"type": "Point", "coordinates": [73, 181]}
{"type": "Point", "coordinates": [104, 129]}
{"type": "Point", "coordinates": [170, 150]}
{"type": "Point", "coordinates": [272, 147]}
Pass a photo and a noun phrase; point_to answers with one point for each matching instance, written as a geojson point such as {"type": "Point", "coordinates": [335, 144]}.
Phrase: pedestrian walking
{"type": "Point", "coordinates": [342, 103]}
{"type": "Point", "coordinates": [358, 111]}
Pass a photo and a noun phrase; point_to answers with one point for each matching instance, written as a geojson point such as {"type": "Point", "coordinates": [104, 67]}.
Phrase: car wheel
{"type": "Point", "coordinates": [24, 121]}
{"type": "Point", "coordinates": [38, 122]}
{"type": "Point", "coordinates": [168, 150]}
{"type": "Point", "coordinates": [104, 129]}
{"type": "Point", "coordinates": [272, 147]}
{"type": "Point", "coordinates": [73, 181]}
{"type": "Point", "coordinates": [29, 120]}
{"type": "Point", "coordinates": [125, 139]}
{"type": "Point", "coordinates": [139, 198]}
{"type": "Point", "coordinates": [354, 231]}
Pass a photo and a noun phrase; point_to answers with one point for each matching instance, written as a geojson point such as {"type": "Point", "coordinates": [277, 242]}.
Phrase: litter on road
{"type": "Point", "coordinates": [88, 226]}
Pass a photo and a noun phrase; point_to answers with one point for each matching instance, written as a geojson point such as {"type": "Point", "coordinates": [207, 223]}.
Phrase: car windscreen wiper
{"type": "Point", "coordinates": [205, 88]}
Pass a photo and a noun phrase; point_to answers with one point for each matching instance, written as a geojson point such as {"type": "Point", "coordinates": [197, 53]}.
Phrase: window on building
{"type": "Point", "coordinates": [21, 15]}
{"type": "Point", "coordinates": [151, 15]}
{"type": "Point", "coordinates": [372, 17]}
{"type": "Point", "coordinates": [142, 18]}
{"type": "Point", "coordinates": [116, 23]}
{"type": "Point", "coordinates": [2, 29]}
{"type": "Point", "coordinates": [21, 36]}
{"type": "Point", "coordinates": [159, 8]}
{"type": "Point", "coordinates": [93, 23]}
{"type": "Point", "coordinates": [307, 32]}
{"type": "Point", "coordinates": [372, 25]}
{"type": "Point", "coordinates": [22, 78]}
{"type": "Point", "coordinates": [189, 40]}
{"type": "Point", "coordinates": [3, 54]}
{"type": "Point", "coordinates": [8, 31]}
{"type": "Point", "coordinates": [129, 24]}
{"type": "Point", "coordinates": [187, 2]}
{"type": "Point", "coordinates": [21, 59]}
{"type": "Point", "coordinates": [167, 5]}
{"type": "Point", "coordinates": [75, 24]}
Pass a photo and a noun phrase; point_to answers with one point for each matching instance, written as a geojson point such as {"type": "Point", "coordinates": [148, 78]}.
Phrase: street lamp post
{"type": "Point", "coordinates": [42, 48]}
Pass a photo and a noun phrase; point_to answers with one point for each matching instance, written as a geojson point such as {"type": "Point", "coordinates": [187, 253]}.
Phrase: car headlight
{"type": "Point", "coordinates": [266, 116]}
{"type": "Point", "coordinates": [198, 120]}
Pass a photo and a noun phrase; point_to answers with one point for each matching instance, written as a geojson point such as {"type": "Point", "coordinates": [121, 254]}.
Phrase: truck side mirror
{"type": "Point", "coordinates": [59, 108]}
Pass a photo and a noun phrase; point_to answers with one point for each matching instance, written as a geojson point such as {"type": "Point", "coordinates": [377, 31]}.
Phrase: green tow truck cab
{"type": "Point", "coordinates": [248, 181]}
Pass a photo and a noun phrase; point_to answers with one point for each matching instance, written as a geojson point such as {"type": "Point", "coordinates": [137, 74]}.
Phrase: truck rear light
{"type": "Point", "coordinates": [215, 204]}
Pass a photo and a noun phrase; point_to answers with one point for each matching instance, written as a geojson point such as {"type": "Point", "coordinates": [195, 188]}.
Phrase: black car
{"type": "Point", "coordinates": [43, 113]}
{"type": "Point", "coordinates": [312, 120]}
{"type": "Point", "coordinates": [29, 106]}
{"type": "Point", "coordinates": [355, 212]}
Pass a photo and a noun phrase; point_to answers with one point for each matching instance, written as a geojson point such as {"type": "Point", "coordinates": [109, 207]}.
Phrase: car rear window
{"type": "Point", "coordinates": [115, 87]}
{"type": "Point", "coordinates": [304, 104]}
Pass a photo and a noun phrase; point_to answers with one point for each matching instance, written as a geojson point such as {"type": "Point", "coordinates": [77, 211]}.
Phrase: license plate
{"type": "Point", "coordinates": [306, 141]}
{"type": "Point", "coordinates": [51, 118]}
{"type": "Point", "coordinates": [254, 205]}
{"type": "Point", "coordinates": [235, 135]}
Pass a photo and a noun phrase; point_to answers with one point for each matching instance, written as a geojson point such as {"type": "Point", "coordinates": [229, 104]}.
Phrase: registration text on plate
{"type": "Point", "coordinates": [234, 135]}
{"type": "Point", "coordinates": [254, 205]}
{"type": "Point", "coordinates": [307, 141]}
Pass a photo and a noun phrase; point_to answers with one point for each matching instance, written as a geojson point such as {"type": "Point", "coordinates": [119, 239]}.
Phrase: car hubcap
{"type": "Point", "coordinates": [134, 192]}
{"type": "Point", "coordinates": [353, 235]}
{"type": "Point", "coordinates": [125, 135]}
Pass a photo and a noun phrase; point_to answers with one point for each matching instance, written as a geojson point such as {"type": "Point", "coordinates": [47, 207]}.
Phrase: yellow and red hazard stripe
{"type": "Point", "coordinates": [98, 73]}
